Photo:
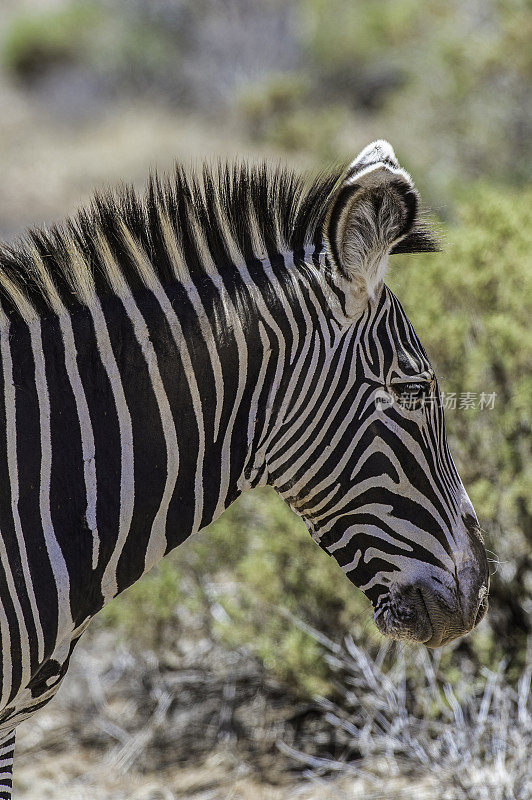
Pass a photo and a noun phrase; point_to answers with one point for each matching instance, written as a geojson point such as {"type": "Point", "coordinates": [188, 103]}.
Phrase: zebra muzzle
{"type": "Point", "coordinates": [434, 615]}
{"type": "Point", "coordinates": [467, 608]}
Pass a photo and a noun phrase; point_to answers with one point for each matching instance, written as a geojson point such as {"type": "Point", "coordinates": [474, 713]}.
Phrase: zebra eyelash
{"type": "Point", "coordinates": [413, 394]}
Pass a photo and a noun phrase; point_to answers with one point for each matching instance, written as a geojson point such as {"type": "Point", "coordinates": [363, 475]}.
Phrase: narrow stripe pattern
{"type": "Point", "coordinates": [7, 750]}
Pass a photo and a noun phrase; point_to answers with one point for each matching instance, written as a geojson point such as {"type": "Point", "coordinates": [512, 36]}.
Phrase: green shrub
{"type": "Point", "coordinates": [279, 111]}
{"type": "Point", "coordinates": [33, 40]}
{"type": "Point", "coordinates": [446, 82]}
{"type": "Point", "coordinates": [118, 45]}
{"type": "Point", "coordinates": [262, 104]}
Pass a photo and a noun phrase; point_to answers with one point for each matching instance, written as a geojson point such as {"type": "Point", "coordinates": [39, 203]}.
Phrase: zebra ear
{"type": "Point", "coordinates": [373, 213]}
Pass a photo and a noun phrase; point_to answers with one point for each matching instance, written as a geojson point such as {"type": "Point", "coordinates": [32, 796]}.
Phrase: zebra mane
{"type": "Point", "coordinates": [181, 226]}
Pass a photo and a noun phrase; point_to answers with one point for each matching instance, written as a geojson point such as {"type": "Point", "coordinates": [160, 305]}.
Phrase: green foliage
{"type": "Point", "coordinates": [283, 579]}
{"type": "Point", "coordinates": [277, 96]}
{"type": "Point", "coordinates": [343, 37]}
{"type": "Point", "coordinates": [152, 602]}
{"type": "Point", "coordinates": [33, 40]}
{"type": "Point", "coordinates": [278, 111]}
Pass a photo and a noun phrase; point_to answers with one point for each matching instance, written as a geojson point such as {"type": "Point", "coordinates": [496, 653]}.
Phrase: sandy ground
{"type": "Point", "coordinates": [79, 775]}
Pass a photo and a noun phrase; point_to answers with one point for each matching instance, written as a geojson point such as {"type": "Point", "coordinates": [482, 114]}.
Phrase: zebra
{"type": "Point", "coordinates": [229, 329]}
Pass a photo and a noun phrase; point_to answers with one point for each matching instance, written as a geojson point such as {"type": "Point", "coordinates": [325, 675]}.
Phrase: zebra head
{"type": "Point", "coordinates": [370, 470]}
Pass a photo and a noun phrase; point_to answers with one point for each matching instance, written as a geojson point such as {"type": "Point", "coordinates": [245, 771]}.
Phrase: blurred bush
{"type": "Point", "coordinates": [456, 74]}
{"type": "Point", "coordinates": [278, 111]}
{"type": "Point", "coordinates": [262, 106]}
{"type": "Point", "coordinates": [448, 83]}
{"type": "Point", "coordinates": [34, 41]}
{"type": "Point", "coordinates": [356, 51]}
{"type": "Point", "coordinates": [118, 48]}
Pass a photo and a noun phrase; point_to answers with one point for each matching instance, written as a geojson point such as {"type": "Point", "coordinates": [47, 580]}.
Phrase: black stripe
{"type": "Point", "coordinates": [29, 467]}
{"type": "Point", "coordinates": [68, 500]}
{"type": "Point", "coordinates": [104, 422]}
{"type": "Point", "coordinates": [148, 439]}
{"type": "Point", "coordinates": [7, 532]}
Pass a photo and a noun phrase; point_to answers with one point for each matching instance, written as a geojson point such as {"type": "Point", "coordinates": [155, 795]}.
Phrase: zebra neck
{"type": "Point", "coordinates": [130, 425]}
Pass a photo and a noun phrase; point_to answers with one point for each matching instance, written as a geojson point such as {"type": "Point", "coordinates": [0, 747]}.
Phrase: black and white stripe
{"type": "Point", "coordinates": [162, 355]}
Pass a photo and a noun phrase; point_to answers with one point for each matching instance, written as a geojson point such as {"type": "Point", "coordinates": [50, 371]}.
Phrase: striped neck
{"type": "Point", "coordinates": [153, 409]}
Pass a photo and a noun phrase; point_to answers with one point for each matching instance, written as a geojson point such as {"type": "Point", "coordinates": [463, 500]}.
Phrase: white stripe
{"type": "Point", "coordinates": [24, 637]}
{"type": "Point", "coordinates": [181, 344]}
{"type": "Point", "coordinates": [12, 466]}
{"type": "Point", "coordinates": [271, 323]}
{"type": "Point", "coordinates": [315, 414]}
{"type": "Point", "coordinates": [311, 337]}
{"type": "Point", "coordinates": [210, 342]}
{"type": "Point", "coordinates": [294, 411]}
{"type": "Point", "coordinates": [7, 662]}
{"type": "Point", "coordinates": [6, 748]}
{"type": "Point", "coordinates": [316, 454]}
{"type": "Point", "coordinates": [416, 536]}
{"type": "Point", "coordinates": [57, 560]}
{"type": "Point", "coordinates": [127, 465]}
{"type": "Point", "coordinates": [253, 411]}
{"type": "Point", "coordinates": [242, 350]}
{"type": "Point", "coordinates": [282, 293]}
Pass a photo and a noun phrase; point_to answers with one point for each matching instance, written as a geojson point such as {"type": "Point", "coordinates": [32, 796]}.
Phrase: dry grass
{"type": "Point", "coordinates": [211, 724]}
{"type": "Point", "coordinates": [396, 716]}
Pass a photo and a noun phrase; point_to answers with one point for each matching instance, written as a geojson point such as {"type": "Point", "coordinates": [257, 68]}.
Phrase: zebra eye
{"type": "Point", "coordinates": [412, 394]}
